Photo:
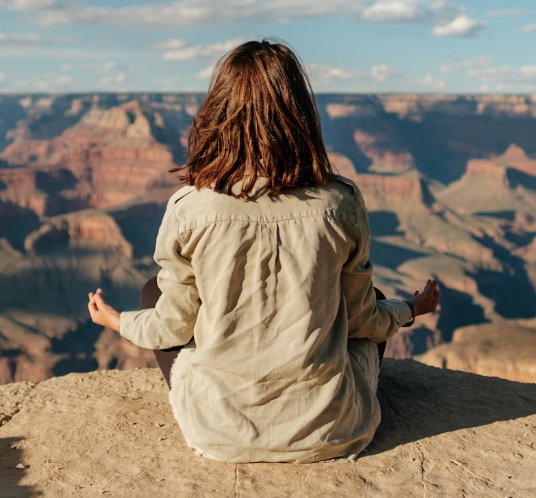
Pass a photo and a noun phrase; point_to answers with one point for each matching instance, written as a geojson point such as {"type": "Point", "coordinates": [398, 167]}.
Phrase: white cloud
{"type": "Point", "coordinates": [394, 11]}
{"type": "Point", "coordinates": [504, 74]}
{"type": "Point", "coordinates": [462, 25]}
{"type": "Point", "coordinates": [453, 66]}
{"type": "Point", "coordinates": [531, 28]}
{"type": "Point", "coordinates": [430, 81]}
{"type": "Point", "coordinates": [117, 78]}
{"type": "Point", "coordinates": [109, 66]}
{"type": "Point", "coordinates": [2, 77]}
{"type": "Point", "coordinates": [52, 52]}
{"type": "Point", "coordinates": [27, 4]}
{"type": "Point", "coordinates": [424, 11]}
{"type": "Point", "coordinates": [191, 52]}
{"type": "Point", "coordinates": [205, 73]}
{"type": "Point", "coordinates": [169, 80]}
{"type": "Point", "coordinates": [189, 13]}
{"type": "Point", "coordinates": [506, 13]}
{"type": "Point", "coordinates": [48, 81]}
{"type": "Point", "coordinates": [62, 80]}
{"type": "Point", "coordinates": [489, 74]}
{"type": "Point", "coordinates": [172, 43]}
{"type": "Point", "coordinates": [495, 78]}
{"type": "Point", "coordinates": [514, 87]}
{"type": "Point", "coordinates": [25, 40]}
{"type": "Point", "coordinates": [322, 75]}
{"type": "Point", "coordinates": [380, 73]}
{"type": "Point", "coordinates": [340, 73]}
{"type": "Point", "coordinates": [98, 67]}
{"type": "Point", "coordinates": [42, 85]}
{"type": "Point", "coordinates": [528, 71]}
{"type": "Point", "coordinates": [142, 65]}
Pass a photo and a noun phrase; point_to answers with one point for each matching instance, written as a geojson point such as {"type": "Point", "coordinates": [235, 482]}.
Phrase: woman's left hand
{"type": "Point", "coordinates": [101, 312]}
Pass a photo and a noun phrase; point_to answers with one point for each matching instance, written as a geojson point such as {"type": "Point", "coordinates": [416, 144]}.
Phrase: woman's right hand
{"type": "Point", "coordinates": [427, 300]}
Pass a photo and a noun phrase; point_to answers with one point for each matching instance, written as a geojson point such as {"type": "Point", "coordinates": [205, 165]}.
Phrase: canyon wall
{"type": "Point", "coordinates": [449, 181]}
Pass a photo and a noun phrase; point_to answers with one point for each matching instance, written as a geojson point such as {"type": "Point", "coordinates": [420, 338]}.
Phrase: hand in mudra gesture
{"type": "Point", "coordinates": [427, 300]}
{"type": "Point", "coordinates": [101, 312]}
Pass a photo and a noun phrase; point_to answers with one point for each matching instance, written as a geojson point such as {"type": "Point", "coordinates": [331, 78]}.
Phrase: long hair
{"type": "Point", "coordinates": [259, 118]}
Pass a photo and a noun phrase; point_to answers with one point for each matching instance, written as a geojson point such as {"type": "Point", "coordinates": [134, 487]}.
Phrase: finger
{"type": "Point", "coordinates": [92, 308]}
{"type": "Point", "coordinates": [90, 295]}
{"type": "Point", "coordinates": [99, 291]}
{"type": "Point", "coordinates": [416, 293]}
{"type": "Point", "coordinates": [99, 300]}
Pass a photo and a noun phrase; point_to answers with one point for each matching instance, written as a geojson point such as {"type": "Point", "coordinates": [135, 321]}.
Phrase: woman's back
{"type": "Point", "coordinates": [269, 377]}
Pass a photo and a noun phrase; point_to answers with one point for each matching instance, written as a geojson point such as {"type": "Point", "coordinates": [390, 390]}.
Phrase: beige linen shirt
{"type": "Point", "coordinates": [278, 295]}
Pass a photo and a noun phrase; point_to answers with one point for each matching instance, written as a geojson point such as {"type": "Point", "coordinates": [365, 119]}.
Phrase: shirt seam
{"type": "Point", "coordinates": [340, 218]}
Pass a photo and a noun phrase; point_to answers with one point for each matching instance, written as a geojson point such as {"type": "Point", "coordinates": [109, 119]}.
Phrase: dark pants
{"type": "Point", "coordinates": [165, 357]}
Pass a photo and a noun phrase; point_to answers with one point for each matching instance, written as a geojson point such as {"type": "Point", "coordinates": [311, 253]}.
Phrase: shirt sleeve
{"type": "Point", "coordinates": [367, 317]}
{"type": "Point", "coordinates": [171, 322]}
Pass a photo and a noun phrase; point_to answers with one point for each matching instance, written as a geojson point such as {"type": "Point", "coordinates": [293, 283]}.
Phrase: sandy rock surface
{"type": "Point", "coordinates": [111, 433]}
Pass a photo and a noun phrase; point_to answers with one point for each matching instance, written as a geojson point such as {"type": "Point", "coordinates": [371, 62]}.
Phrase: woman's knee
{"type": "Point", "coordinates": [149, 294]}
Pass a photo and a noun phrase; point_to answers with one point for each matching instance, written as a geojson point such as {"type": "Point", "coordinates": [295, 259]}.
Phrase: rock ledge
{"type": "Point", "coordinates": [444, 434]}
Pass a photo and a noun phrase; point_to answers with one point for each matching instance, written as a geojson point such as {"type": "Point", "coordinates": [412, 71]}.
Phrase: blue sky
{"type": "Point", "coordinates": [466, 46]}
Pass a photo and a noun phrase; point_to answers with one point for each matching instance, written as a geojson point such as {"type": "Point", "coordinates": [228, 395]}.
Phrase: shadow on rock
{"type": "Point", "coordinates": [10, 475]}
{"type": "Point", "coordinates": [423, 401]}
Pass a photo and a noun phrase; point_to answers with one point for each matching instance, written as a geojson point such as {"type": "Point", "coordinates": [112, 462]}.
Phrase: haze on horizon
{"type": "Point", "coordinates": [454, 46]}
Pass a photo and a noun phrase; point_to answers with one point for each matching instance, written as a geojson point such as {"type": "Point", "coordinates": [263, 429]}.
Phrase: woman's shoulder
{"type": "Point", "coordinates": [346, 181]}
{"type": "Point", "coordinates": [179, 194]}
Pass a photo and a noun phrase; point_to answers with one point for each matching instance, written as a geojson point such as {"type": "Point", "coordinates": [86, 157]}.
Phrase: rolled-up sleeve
{"type": "Point", "coordinates": [171, 322]}
{"type": "Point", "coordinates": [367, 317]}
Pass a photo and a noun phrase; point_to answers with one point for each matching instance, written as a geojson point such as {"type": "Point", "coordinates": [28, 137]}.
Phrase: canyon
{"type": "Point", "coordinates": [449, 182]}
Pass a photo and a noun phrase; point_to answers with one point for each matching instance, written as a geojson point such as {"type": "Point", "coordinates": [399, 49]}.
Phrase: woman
{"type": "Point", "coordinates": [264, 261]}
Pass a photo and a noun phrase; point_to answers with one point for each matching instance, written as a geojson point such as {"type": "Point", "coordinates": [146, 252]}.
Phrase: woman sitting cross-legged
{"type": "Point", "coordinates": [264, 316]}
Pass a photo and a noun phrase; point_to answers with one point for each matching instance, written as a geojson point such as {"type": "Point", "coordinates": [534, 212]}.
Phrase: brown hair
{"type": "Point", "coordinates": [259, 114]}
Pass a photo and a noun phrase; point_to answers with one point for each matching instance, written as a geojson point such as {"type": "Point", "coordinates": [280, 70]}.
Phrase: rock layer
{"type": "Point", "coordinates": [504, 349]}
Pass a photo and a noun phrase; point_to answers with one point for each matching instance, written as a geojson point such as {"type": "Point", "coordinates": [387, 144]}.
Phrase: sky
{"type": "Point", "coordinates": [424, 46]}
